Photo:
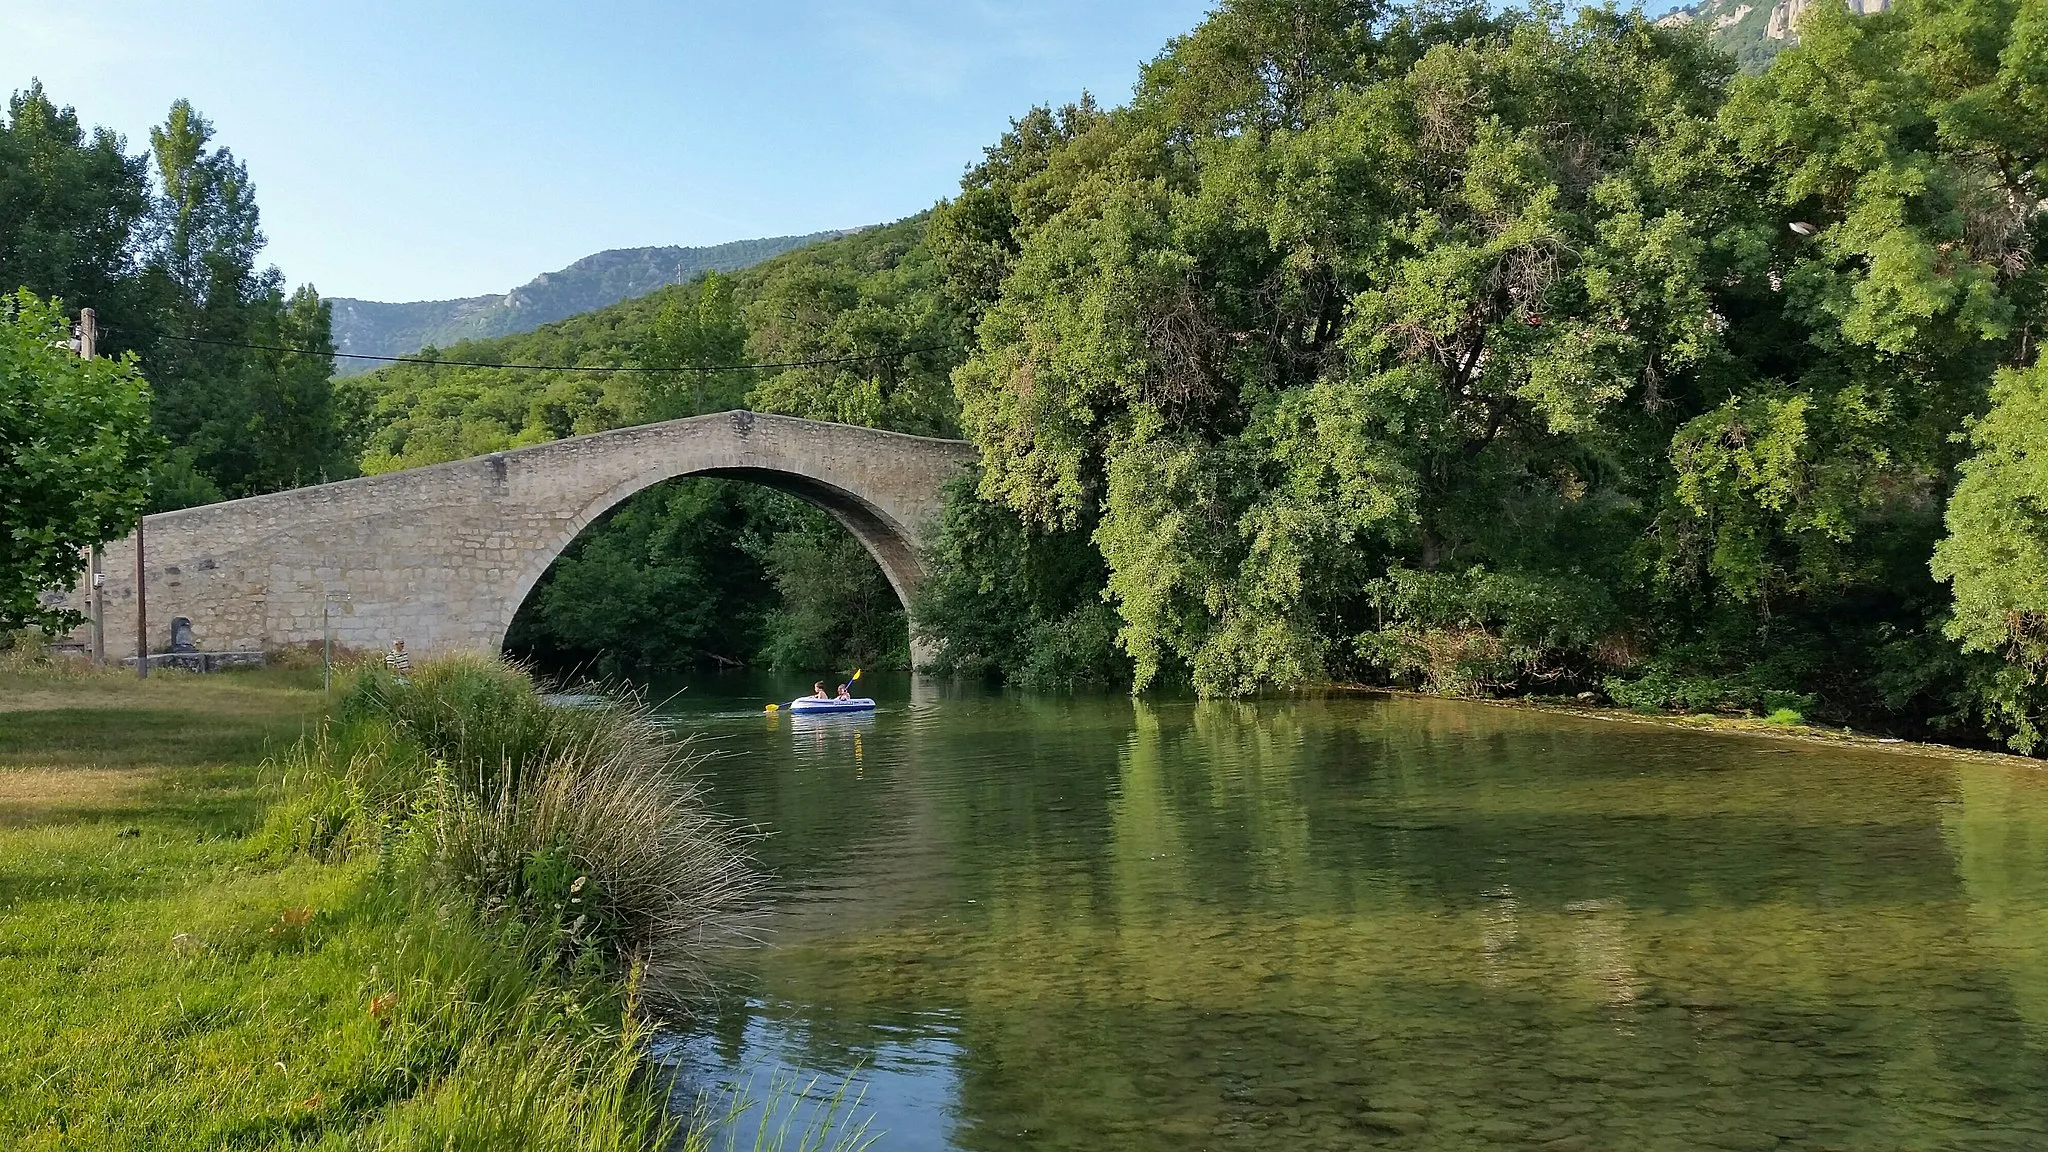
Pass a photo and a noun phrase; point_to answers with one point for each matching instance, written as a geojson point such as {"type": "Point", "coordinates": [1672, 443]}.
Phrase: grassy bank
{"type": "Point", "coordinates": [350, 947]}
{"type": "Point", "coordinates": [1775, 727]}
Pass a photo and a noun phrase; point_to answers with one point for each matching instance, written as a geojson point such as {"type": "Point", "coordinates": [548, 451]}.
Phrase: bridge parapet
{"type": "Point", "coordinates": [443, 556]}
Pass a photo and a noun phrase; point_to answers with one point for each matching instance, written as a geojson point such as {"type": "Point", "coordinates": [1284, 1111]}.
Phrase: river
{"type": "Point", "coordinates": [1349, 922]}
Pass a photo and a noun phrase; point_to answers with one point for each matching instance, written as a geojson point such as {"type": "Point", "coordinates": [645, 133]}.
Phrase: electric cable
{"type": "Point", "coordinates": [816, 362]}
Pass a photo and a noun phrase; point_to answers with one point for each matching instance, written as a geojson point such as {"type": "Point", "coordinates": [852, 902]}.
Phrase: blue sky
{"type": "Point", "coordinates": [412, 150]}
{"type": "Point", "coordinates": [423, 150]}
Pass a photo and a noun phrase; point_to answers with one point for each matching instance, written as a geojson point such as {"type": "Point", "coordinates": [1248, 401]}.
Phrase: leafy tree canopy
{"type": "Point", "coordinates": [75, 449]}
{"type": "Point", "coordinates": [164, 247]}
{"type": "Point", "coordinates": [1498, 350]}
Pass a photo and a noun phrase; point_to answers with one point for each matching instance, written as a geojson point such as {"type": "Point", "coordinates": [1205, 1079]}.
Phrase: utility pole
{"type": "Point", "coordinates": [141, 608]}
{"type": "Point", "coordinates": [96, 599]}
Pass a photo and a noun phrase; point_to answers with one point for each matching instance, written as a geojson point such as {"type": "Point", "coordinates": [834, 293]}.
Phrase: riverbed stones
{"type": "Point", "coordinates": [1403, 1123]}
{"type": "Point", "coordinates": [1274, 1096]}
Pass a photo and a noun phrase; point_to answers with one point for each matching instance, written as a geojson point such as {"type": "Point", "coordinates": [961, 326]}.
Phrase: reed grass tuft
{"type": "Point", "coordinates": [583, 824]}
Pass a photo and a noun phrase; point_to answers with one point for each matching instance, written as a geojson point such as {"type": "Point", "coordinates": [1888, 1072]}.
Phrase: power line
{"type": "Point", "coordinates": [818, 362]}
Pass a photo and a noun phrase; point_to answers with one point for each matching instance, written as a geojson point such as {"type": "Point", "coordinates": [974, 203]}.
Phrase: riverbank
{"type": "Point", "coordinates": [185, 975]}
{"type": "Point", "coordinates": [1714, 723]}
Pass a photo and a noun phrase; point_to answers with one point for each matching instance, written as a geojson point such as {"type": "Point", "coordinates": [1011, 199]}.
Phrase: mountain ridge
{"type": "Point", "coordinates": [601, 279]}
{"type": "Point", "coordinates": [1753, 31]}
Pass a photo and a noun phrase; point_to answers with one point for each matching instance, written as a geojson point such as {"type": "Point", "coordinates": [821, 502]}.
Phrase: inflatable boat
{"type": "Point", "coordinates": [811, 704]}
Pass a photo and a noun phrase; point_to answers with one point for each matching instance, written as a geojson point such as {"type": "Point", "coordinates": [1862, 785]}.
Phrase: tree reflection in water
{"type": "Point", "coordinates": [1346, 922]}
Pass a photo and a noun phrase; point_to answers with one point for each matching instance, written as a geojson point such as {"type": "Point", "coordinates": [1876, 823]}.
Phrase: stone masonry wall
{"type": "Point", "coordinates": [442, 557]}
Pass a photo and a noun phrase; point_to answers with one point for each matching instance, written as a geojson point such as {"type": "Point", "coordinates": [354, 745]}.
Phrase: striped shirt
{"type": "Point", "coordinates": [398, 660]}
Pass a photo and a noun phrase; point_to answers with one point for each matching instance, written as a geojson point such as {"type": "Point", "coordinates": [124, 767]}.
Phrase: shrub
{"type": "Point", "coordinates": [581, 823]}
{"type": "Point", "coordinates": [478, 716]}
{"type": "Point", "coordinates": [1077, 650]}
{"type": "Point", "coordinates": [1663, 688]}
{"type": "Point", "coordinates": [609, 847]}
{"type": "Point", "coordinates": [1484, 631]}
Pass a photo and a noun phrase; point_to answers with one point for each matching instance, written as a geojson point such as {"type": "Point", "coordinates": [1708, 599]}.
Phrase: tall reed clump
{"type": "Point", "coordinates": [581, 824]}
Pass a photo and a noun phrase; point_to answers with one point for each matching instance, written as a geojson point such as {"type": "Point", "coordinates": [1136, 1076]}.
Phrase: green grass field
{"type": "Point", "coordinates": [173, 984]}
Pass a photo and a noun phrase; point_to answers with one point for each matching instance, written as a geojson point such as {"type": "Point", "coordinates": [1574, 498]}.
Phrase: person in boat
{"type": "Point", "coordinates": [843, 694]}
{"type": "Point", "coordinates": [818, 690]}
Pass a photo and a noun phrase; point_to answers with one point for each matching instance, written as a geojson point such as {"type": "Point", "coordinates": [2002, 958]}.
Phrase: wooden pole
{"type": "Point", "coordinates": [88, 347]}
{"type": "Point", "coordinates": [141, 609]}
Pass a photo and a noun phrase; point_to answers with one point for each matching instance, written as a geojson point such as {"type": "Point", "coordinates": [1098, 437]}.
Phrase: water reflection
{"type": "Point", "coordinates": [1094, 923]}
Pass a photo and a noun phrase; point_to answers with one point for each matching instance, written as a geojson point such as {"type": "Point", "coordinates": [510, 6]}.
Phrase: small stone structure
{"type": "Point", "coordinates": [201, 661]}
{"type": "Point", "coordinates": [442, 557]}
{"type": "Point", "coordinates": [185, 655]}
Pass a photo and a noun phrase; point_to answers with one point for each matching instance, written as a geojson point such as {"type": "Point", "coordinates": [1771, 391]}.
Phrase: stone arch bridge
{"type": "Point", "coordinates": [443, 556]}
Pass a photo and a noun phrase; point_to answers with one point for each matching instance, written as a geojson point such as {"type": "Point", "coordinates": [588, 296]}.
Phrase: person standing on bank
{"type": "Point", "coordinates": [398, 661]}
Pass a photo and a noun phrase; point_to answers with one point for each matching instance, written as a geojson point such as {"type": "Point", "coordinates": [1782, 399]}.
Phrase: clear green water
{"type": "Point", "coordinates": [1359, 922]}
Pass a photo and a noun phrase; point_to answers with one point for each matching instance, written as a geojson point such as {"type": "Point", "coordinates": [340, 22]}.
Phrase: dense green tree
{"type": "Point", "coordinates": [1996, 552]}
{"type": "Point", "coordinates": [664, 582]}
{"type": "Point", "coordinates": [70, 206]}
{"type": "Point", "coordinates": [170, 267]}
{"type": "Point", "coordinates": [1005, 601]}
{"type": "Point", "coordinates": [1334, 293]}
{"type": "Point", "coordinates": [696, 330]}
{"type": "Point", "coordinates": [833, 609]}
{"type": "Point", "coordinates": [1503, 350]}
{"type": "Point", "coordinates": [75, 447]}
{"type": "Point", "coordinates": [296, 433]}
{"type": "Point", "coordinates": [242, 419]}
{"type": "Point", "coordinates": [1901, 155]}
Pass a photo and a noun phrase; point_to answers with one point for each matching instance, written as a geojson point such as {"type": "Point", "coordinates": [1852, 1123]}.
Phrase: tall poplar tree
{"type": "Point", "coordinates": [242, 417]}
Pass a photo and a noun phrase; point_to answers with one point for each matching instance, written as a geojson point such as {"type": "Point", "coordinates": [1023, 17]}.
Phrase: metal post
{"type": "Point", "coordinates": [141, 608]}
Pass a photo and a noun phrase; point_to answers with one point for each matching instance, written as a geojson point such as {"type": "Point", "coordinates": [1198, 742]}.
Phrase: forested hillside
{"type": "Point", "coordinates": [375, 328]}
{"type": "Point", "coordinates": [1754, 31]}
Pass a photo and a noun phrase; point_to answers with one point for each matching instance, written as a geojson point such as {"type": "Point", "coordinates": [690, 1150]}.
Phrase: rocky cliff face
{"type": "Point", "coordinates": [375, 328]}
{"type": "Point", "coordinates": [1753, 31]}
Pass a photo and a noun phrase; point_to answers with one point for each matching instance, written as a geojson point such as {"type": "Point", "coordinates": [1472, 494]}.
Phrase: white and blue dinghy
{"type": "Point", "coordinates": [818, 706]}
{"type": "Point", "coordinates": [813, 705]}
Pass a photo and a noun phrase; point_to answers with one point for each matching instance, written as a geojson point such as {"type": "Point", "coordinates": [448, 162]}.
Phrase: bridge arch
{"type": "Point", "coordinates": [443, 557]}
